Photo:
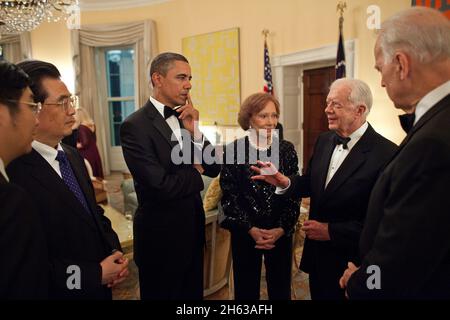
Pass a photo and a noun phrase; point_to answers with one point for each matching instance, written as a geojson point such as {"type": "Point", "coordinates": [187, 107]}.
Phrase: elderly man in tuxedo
{"type": "Point", "coordinates": [80, 239]}
{"type": "Point", "coordinates": [169, 224]}
{"type": "Point", "coordinates": [24, 269]}
{"type": "Point", "coordinates": [405, 243]}
{"type": "Point", "coordinates": [341, 173]}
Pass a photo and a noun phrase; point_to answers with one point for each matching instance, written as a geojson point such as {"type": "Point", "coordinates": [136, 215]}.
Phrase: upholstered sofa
{"type": "Point", "coordinates": [217, 260]}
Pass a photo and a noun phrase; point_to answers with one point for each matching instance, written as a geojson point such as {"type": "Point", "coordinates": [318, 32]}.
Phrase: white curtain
{"type": "Point", "coordinates": [90, 75]}
{"type": "Point", "coordinates": [16, 47]}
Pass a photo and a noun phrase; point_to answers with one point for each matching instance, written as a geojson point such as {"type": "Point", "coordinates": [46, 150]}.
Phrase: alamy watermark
{"type": "Point", "coordinates": [74, 279]}
{"type": "Point", "coordinates": [374, 280]}
{"type": "Point", "coordinates": [374, 20]}
{"type": "Point", "coordinates": [267, 145]}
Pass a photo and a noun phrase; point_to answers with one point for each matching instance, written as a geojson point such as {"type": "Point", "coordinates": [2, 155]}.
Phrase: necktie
{"type": "Point", "coordinates": [69, 178]}
{"type": "Point", "coordinates": [407, 121]}
{"type": "Point", "coordinates": [341, 140]}
{"type": "Point", "coordinates": [168, 112]}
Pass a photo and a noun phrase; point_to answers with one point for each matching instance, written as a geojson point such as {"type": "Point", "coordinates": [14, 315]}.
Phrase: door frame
{"type": "Point", "coordinates": [308, 59]}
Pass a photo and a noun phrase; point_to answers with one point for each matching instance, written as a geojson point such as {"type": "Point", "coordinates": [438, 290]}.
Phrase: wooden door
{"type": "Point", "coordinates": [316, 84]}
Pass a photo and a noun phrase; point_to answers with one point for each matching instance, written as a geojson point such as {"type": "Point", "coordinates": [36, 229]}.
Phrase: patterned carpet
{"type": "Point", "coordinates": [129, 289]}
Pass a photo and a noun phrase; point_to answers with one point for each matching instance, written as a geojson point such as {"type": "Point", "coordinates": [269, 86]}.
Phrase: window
{"type": "Point", "coordinates": [121, 94]}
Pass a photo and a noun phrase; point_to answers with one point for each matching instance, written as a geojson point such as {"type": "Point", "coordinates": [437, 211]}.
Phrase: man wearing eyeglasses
{"type": "Point", "coordinates": [23, 271]}
{"type": "Point", "coordinates": [84, 251]}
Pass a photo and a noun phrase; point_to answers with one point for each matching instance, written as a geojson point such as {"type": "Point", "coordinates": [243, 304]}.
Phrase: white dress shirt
{"type": "Point", "coordinates": [430, 99]}
{"type": "Point", "coordinates": [339, 153]}
{"type": "Point", "coordinates": [2, 170]}
{"type": "Point", "coordinates": [49, 154]}
{"type": "Point", "coordinates": [338, 156]}
{"type": "Point", "coordinates": [173, 123]}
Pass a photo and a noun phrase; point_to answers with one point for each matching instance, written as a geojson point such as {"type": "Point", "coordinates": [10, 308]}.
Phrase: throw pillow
{"type": "Point", "coordinates": [212, 196]}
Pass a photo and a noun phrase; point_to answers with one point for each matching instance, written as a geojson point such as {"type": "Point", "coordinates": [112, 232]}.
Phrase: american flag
{"type": "Point", "coordinates": [340, 57]}
{"type": "Point", "coordinates": [268, 85]}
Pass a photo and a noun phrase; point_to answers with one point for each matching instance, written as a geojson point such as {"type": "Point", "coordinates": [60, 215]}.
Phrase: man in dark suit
{"type": "Point", "coordinates": [344, 166]}
{"type": "Point", "coordinates": [80, 239]}
{"type": "Point", "coordinates": [405, 243]}
{"type": "Point", "coordinates": [169, 225]}
{"type": "Point", "coordinates": [24, 268]}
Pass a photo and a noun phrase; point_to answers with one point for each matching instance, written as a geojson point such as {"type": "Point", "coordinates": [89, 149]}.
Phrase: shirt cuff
{"type": "Point", "coordinates": [281, 191]}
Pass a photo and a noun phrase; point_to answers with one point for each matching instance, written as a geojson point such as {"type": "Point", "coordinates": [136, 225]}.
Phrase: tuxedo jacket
{"type": "Point", "coordinates": [343, 203]}
{"type": "Point", "coordinates": [169, 221]}
{"type": "Point", "coordinates": [75, 237]}
{"type": "Point", "coordinates": [24, 268]}
{"type": "Point", "coordinates": [406, 233]}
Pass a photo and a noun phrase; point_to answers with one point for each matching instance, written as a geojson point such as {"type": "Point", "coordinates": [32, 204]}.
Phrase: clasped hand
{"type": "Point", "coordinates": [265, 239]}
{"type": "Point", "coordinates": [114, 269]}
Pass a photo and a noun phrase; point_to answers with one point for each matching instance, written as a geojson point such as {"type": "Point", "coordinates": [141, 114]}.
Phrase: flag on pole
{"type": "Point", "coordinates": [268, 85]}
{"type": "Point", "coordinates": [340, 57]}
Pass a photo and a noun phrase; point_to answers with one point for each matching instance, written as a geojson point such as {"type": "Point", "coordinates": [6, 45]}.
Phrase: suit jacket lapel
{"type": "Point", "coordinates": [82, 178]}
{"type": "Point", "coordinates": [49, 179]}
{"type": "Point", "coordinates": [2, 179]}
{"type": "Point", "coordinates": [160, 124]}
{"type": "Point", "coordinates": [440, 106]}
{"type": "Point", "coordinates": [87, 188]}
{"type": "Point", "coordinates": [353, 161]}
{"type": "Point", "coordinates": [323, 163]}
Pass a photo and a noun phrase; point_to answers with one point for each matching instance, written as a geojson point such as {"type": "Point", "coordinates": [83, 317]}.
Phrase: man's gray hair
{"type": "Point", "coordinates": [360, 92]}
{"type": "Point", "coordinates": [421, 32]}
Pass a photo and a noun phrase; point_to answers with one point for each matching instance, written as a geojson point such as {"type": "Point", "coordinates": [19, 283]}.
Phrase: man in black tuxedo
{"type": "Point", "coordinates": [344, 166]}
{"type": "Point", "coordinates": [24, 268]}
{"type": "Point", "coordinates": [79, 237]}
{"type": "Point", "coordinates": [169, 225]}
{"type": "Point", "coordinates": [405, 243]}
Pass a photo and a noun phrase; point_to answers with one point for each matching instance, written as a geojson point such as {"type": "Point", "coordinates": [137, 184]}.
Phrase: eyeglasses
{"type": "Point", "coordinates": [36, 107]}
{"type": "Point", "coordinates": [70, 102]}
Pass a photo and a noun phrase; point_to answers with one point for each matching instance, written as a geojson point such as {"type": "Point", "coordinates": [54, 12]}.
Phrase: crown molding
{"type": "Point", "coordinates": [102, 5]}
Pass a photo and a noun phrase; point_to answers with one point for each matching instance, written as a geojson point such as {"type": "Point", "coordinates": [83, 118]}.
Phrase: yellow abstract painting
{"type": "Point", "coordinates": [214, 60]}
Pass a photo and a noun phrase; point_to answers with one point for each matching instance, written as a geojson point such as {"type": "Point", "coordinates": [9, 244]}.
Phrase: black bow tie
{"type": "Point", "coordinates": [168, 112]}
{"type": "Point", "coordinates": [407, 121]}
{"type": "Point", "coordinates": [341, 140]}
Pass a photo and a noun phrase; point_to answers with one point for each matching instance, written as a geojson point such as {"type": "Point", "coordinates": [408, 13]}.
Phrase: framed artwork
{"type": "Point", "coordinates": [441, 5]}
{"type": "Point", "coordinates": [214, 60]}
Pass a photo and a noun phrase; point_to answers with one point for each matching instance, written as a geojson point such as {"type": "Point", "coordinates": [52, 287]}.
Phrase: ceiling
{"type": "Point", "coordinates": [94, 5]}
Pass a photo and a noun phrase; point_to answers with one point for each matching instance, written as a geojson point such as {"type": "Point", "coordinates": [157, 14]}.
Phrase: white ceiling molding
{"type": "Point", "coordinates": [102, 5]}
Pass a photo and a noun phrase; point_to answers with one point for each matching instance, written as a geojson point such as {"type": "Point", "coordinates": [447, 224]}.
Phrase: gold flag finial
{"type": "Point", "coordinates": [341, 6]}
{"type": "Point", "coordinates": [265, 33]}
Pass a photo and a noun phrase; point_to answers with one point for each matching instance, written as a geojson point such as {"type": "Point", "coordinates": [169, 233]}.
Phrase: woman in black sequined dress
{"type": "Point", "coordinates": [261, 223]}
